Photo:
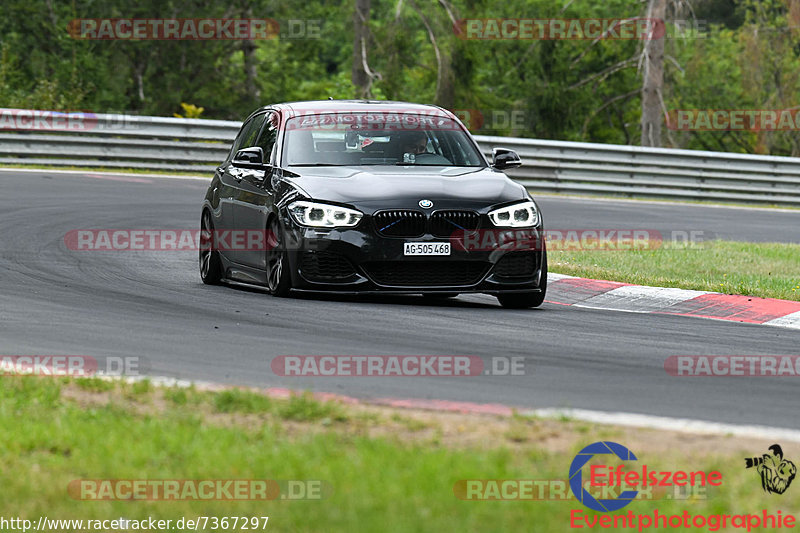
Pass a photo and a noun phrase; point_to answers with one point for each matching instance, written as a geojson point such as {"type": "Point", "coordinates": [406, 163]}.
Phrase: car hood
{"type": "Point", "coordinates": [380, 187]}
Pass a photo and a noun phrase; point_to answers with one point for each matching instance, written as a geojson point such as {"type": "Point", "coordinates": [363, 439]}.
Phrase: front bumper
{"type": "Point", "coordinates": [360, 260]}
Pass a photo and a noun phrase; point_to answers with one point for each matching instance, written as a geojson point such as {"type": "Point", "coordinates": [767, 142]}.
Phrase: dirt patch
{"type": "Point", "coordinates": [431, 428]}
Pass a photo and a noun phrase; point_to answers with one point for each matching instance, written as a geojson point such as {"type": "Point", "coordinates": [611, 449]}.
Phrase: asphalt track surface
{"type": "Point", "coordinates": [154, 306]}
{"type": "Point", "coordinates": [672, 220]}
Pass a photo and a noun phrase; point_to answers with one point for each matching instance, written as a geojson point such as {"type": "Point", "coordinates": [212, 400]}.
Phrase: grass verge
{"type": "Point", "coordinates": [767, 270]}
{"type": "Point", "coordinates": [386, 469]}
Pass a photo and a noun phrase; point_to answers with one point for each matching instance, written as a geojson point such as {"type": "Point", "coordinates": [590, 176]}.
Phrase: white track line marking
{"type": "Point", "coordinates": [683, 425]}
{"type": "Point", "coordinates": [553, 277]}
{"type": "Point", "coordinates": [788, 321]}
{"type": "Point", "coordinates": [640, 298]}
{"type": "Point", "coordinates": [643, 299]}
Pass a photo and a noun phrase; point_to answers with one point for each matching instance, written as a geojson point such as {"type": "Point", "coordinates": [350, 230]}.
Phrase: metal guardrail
{"type": "Point", "coordinates": [196, 145]}
{"type": "Point", "coordinates": [571, 167]}
{"type": "Point", "coordinates": [119, 141]}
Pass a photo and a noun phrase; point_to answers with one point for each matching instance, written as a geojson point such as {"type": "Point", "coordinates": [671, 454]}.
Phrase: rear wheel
{"type": "Point", "coordinates": [524, 300]}
{"type": "Point", "coordinates": [210, 262]}
{"type": "Point", "coordinates": [279, 279]}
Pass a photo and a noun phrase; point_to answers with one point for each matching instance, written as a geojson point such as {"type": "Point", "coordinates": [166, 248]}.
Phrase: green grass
{"type": "Point", "coordinates": [299, 407]}
{"type": "Point", "coordinates": [94, 384]}
{"type": "Point", "coordinates": [303, 407]}
{"type": "Point", "coordinates": [768, 270]}
{"type": "Point", "coordinates": [238, 400]}
{"type": "Point", "coordinates": [385, 483]}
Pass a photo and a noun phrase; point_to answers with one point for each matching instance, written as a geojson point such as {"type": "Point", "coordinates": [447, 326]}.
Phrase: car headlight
{"type": "Point", "coordinates": [323, 215]}
{"type": "Point", "coordinates": [521, 215]}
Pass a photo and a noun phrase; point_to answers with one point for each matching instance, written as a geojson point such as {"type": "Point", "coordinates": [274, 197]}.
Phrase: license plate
{"type": "Point", "coordinates": [427, 248]}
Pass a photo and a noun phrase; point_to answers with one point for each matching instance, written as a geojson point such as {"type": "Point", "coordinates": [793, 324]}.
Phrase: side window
{"type": "Point", "coordinates": [247, 135]}
{"type": "Point", "coordinates": [251, 134]}
{"type": "Point", "coordinates": [237, 144]}
{"type": "Point", "coordinates": [269, 134]}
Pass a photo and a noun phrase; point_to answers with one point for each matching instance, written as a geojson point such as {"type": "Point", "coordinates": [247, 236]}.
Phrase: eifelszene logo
{"type": "Point", "coordinates": [776, 472]}
{"type": "Point", "coordinates": [576, 476]}
{"type": "Point", "coordinates": [617, 478]}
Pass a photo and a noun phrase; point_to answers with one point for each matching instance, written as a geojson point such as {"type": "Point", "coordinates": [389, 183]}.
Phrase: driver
{"type": "Point", "coordinates": [415, 142]}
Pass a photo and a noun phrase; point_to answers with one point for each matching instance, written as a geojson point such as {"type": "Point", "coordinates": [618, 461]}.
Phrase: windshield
{"type": "Point", "coordinates": [357, 139]}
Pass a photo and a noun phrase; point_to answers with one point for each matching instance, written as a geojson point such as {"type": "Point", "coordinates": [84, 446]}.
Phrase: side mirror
{"type": "Point", "coordinates": [249, 158]}
{"type": "Point", "coordinates": [503, 158]}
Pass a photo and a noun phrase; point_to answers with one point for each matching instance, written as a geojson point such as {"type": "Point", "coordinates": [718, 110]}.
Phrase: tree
{"type": "Point", "coordinates": [653, 76]}
{"type": "Point", "coordinates": [361, 74]}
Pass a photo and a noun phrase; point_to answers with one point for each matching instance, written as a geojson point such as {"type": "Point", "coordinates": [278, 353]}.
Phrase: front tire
{"type": "Point", "coordinates": [210, 262]}
{"type": "Point", "coordinates": [279, 279]}
{"type": "Point", "coordinates": [525, 300]}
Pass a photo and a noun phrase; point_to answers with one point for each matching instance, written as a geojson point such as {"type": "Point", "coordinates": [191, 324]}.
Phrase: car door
{"type": "Point", "coordinates": [257, 196]}
{"type": "Point", "coordinates": [229, 184]}
{"type": "Point", "coordinates": [233, 179]}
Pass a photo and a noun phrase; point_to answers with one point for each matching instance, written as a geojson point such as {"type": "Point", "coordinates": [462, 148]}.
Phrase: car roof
{"type": "Point", "coordinates": [293, 109]}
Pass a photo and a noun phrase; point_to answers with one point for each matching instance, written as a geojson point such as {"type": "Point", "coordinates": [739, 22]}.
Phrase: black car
{"type": "Point", "coordinates": [366, 196]}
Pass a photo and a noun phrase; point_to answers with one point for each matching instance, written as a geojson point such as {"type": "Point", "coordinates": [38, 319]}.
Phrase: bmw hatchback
{"type": "Point", "coordinates": [370, 197]}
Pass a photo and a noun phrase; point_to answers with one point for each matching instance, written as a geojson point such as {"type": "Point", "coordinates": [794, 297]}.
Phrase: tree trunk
{"type": "Point", "coordinates": [138, 74]}
{"type": "Point", "coordinates": [445, 81]}
{"type": "Point", "coordinates": [251, 71]}
{"type": "Point", "coordinates": [253, 93]}
{"type": "Point", "coordinates": [653, 74]}
{"type": "Point", "coordinates": [360, 77]}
